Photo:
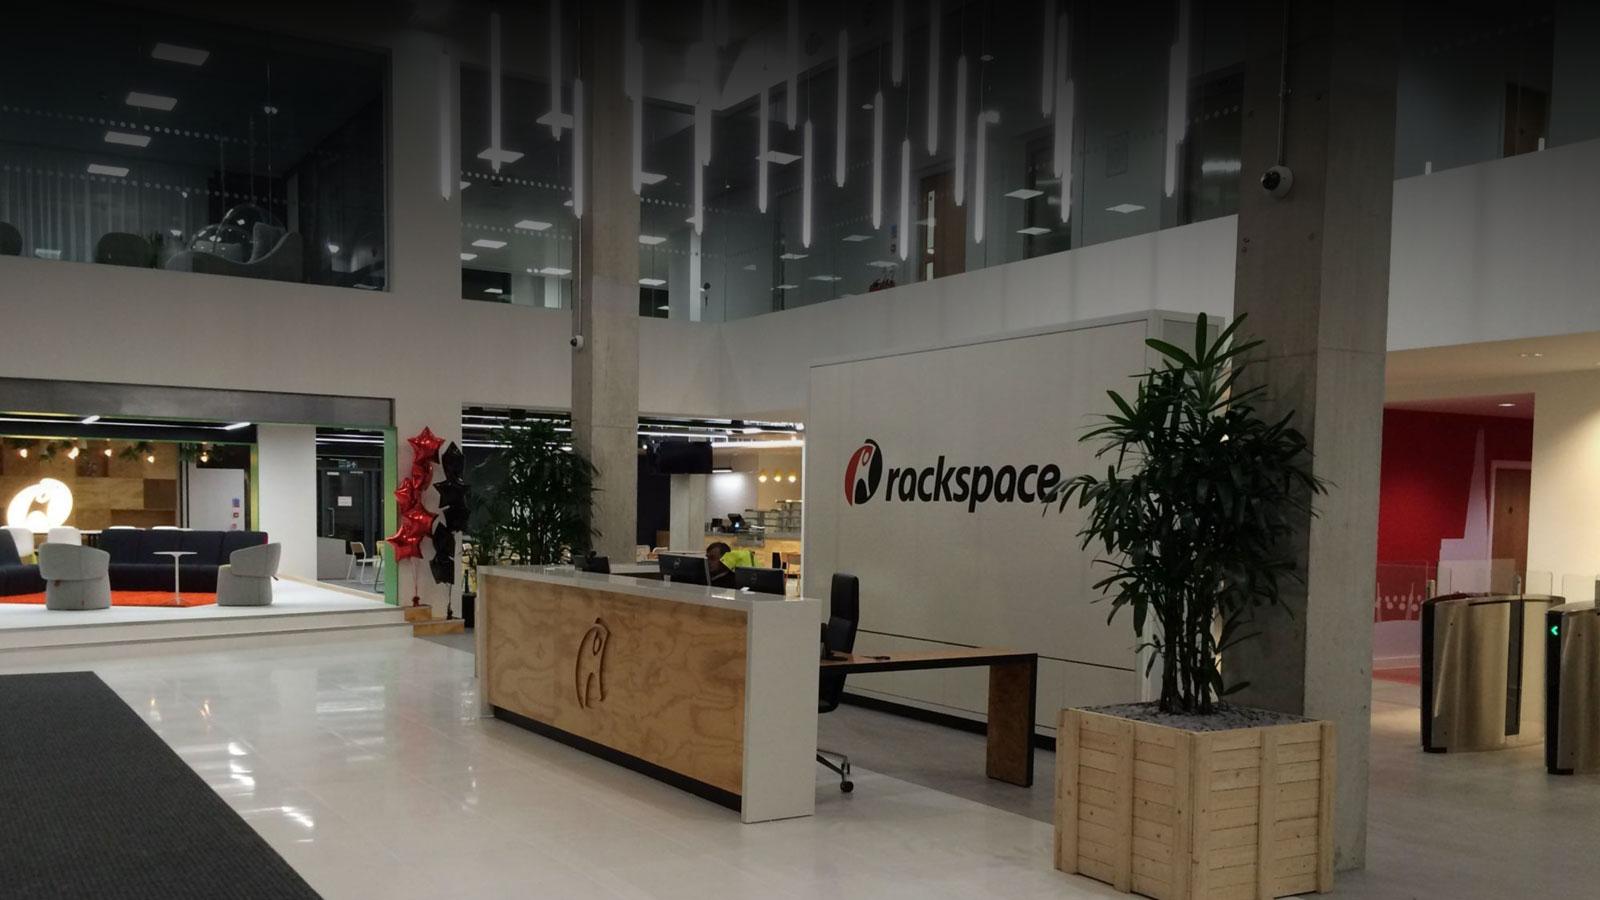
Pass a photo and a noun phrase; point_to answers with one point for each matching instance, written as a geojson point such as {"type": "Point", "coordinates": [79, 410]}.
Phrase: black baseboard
{"type": "Point", "coordinates": [961, 723]}
{"type": "Point", "coordinates": [682, 782]}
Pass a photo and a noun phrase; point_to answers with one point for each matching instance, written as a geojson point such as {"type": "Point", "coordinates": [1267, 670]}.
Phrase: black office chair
{"type": "Point", "coordinates": [838, 636]}
{"type": "Point", "coordinates": [600, 565]}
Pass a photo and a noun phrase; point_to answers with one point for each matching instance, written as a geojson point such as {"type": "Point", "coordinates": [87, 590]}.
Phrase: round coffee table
{"type": "Point", "coordinates": [177, 556]}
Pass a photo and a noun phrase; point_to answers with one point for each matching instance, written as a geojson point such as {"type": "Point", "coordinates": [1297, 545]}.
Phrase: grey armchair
{"type": "Point", "coordinates": [75, 577]}
{"type": "Point", "coordinates": [119, 248]}
{"type": "Point", "coordinates": [247, 578]}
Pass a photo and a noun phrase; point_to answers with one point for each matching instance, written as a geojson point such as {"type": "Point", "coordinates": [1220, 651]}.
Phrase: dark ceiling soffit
{"type": "Point", "coordinates": [81, 398]}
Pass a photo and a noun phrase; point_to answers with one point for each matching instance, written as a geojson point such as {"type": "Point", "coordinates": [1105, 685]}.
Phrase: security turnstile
{"type": "Point", "coordinates": [1483, 671]}
{"type": "Point", "coordinates": [1572, 688]}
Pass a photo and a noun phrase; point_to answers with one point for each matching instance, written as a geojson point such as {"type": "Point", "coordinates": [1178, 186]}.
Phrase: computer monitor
{"type": "Point", "coordinates": [684, 568]}
{"type": "Point", "coordinates": [761, 581]}
{"type": "Point", "coordinates": [735, 522]}
{"type": "Point", "coordinates": [600, 565]}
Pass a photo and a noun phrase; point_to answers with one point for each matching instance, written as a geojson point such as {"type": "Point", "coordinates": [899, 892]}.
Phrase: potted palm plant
{"type": "Point", "coordinates": [531, 503]}
{"type": "Point", "coordinates": [1189, 796]}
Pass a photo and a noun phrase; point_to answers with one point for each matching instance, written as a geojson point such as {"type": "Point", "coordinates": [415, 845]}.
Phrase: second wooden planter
{"type": "Point", "coordinates": [1245, 814]}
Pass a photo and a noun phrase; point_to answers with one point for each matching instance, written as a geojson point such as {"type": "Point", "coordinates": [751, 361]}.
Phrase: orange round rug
{"type": "Point", "coordinates": [131, 598]}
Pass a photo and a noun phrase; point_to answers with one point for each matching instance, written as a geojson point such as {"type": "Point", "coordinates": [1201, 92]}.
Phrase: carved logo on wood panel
{"type": "Point", "coordinates": [589, 674]}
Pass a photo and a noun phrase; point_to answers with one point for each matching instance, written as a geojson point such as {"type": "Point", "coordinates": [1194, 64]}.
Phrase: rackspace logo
{"type": "Point", "coordinates": [865, 474]}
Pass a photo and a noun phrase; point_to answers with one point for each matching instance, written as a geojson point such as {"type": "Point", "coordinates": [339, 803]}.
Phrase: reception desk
{"type": "Point", "coordinates": [710, 690]}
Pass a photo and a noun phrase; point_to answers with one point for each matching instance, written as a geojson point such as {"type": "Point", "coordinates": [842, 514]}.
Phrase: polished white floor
{"type": "Point", "coordinates": [364, 765]}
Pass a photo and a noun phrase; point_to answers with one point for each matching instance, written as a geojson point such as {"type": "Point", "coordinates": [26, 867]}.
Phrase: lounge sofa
{"type": "Point", "coordinates": [136, 567]}
{"type": "Point", "coordinates": [15, 577]}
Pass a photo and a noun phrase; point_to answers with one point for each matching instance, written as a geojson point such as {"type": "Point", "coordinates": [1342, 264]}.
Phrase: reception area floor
{"type": "Point", "coordinates": [363, 764]}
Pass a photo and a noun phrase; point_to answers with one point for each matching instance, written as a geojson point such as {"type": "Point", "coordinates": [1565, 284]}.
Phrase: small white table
{"type": "Point", "coordinates": [177, 556]}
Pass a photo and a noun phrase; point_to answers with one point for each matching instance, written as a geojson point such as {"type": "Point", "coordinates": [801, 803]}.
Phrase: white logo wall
{"type": "Point", "coordinates": [40, 507]}
{"type": "Point", "coordinates": [923, 476]}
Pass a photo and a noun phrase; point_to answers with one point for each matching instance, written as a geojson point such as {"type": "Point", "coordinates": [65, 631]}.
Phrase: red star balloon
{"type": "Point", "coordinates": [406, 494]}
{"type": "Point", "coordinates": [425, 446]}
{"type": "Point", "coordinates": [406, 543]}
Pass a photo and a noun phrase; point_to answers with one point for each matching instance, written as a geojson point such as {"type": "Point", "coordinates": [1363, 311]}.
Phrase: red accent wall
{"type": "Point", "coordinates": [1427, 471]}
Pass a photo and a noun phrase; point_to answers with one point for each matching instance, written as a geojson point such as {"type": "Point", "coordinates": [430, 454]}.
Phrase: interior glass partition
{"type": "Point", "coordinates": [151, 141]}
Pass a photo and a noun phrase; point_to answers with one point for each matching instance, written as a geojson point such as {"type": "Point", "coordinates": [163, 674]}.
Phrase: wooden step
{"type": "Point", "coordinates": [418, 613]}
{"type": "Point", "coordinates": [438, 626]}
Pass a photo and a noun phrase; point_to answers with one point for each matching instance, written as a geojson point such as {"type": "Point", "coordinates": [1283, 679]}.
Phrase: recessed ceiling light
{"type": "Point", "coordinates": [1124, 208]}
{"type": "Point", "coordinates": [651, 178]}
{"type": "Point", "coordinates": [46, 253]}
{"type": "Point", "coordinates": [826, 278]}
{"type": "Point", "coordinates": [1024, 193]}
{"type": "Point", "coordinates": [752, 268]}
{"type": "Point", "coordinates": [89, 420]}
{"type": "Point", "coordinates": [555, 270]}
{"type": "Point", "coordinates": [468, 257]}
{"type": "Point", "coordinates": [175, 232]}
{"type": "Point", "coordinates": [151, 101]}
{"type": "Point", "coordinates": [493, 291]}
{"type": "Point", "coordinates": [652, 282]}
{"type": "Point", "coordinates": [787, 287]}
{"type": "Point", "coordinates": [1504, 405]}
{"type": "Point", "coordinates": [1033, 230]}
{"type": "Point", "coordinates": [793, 256]}
{"type": "Point", "coordinates": [563, 120]}
{"type": "Point", "coordinates": [987, 57]}
{"type": "Point", "coordinates": [127, 140]}
{"type": "Point", "coordinates": [866, 106]}
{"type": "Point", "coordinates": [465, 184]}
{"type": "Point", "coordinates": [115, 171]}
{"type": "Point", "coordinates": [1534, 355]}
{"type": "Point", "coordinates": [780, 157]}
{"type": "Point", "coordinates": [567, 203]}
{"type": "Point", "coordinates": [502, 156]}
{"type": "Point", "coordinates": [236, 426]}
{"type": "Point", "coordinates": [650, 240]}
{"type": "Point", "coordinates": [532, 225]}
{"type": "Point", "coordinates": [488, 244]}
{"type": "Point", "coordinates": [332, 247]}
{"type": "Point", "coordinates": [189, 56]}
{"type": "Point", "coordinates": [856, 238]}
{"type": "Point", "coordinates": [1220, 167]}
{"type": "Point", "coordinates": [883, 263]}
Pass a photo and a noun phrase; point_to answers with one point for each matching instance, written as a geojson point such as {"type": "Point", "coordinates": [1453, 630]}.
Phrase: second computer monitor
{"type": "Point", "coordinates": [761, 581]}
{"type": "Point", "coordinates": [684, 568]}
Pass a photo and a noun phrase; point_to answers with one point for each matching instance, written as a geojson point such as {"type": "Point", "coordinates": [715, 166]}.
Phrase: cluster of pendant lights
{"type": "Point", "coordinates": [1056, 98]}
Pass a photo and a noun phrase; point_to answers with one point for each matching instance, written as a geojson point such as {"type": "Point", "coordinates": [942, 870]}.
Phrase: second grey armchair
{"type": "Point", "coordinates": [247, 578]}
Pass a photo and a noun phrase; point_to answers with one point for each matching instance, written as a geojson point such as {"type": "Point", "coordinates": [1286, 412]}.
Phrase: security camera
{"type": "Point", "coordinates": [1277, 181]}
{"type": "Point", "coordinates": [576, 342]}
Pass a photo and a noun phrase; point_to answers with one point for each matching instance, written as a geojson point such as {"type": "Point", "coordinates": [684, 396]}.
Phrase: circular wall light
{"type": "Point", "coordinates": [40, 507]}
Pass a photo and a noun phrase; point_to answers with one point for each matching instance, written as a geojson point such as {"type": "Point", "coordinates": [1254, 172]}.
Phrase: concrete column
{"type": "Point", "coordinates": [423, 260]}
{"type": "Point", "coordinates": [688, 511]}
{"type": "Point", "coordinates": [1313, 275]}
{"type": "Point", "coordinates": [286, 490]}
{"type": "Point", "coordinates": [605, 372]}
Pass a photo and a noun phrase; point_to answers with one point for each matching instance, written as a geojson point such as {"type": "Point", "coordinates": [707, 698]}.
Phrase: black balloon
{"type": "Point", "coordinates": [457, 517]}
{"type": "Point", "coordinates": [452, 492]}
{"type": "Point", "coordinates": [443, 568]}
{"type": "Point", "coordinates": [444, 542]}
{"type": "Point", "coordinates": [453, 462]}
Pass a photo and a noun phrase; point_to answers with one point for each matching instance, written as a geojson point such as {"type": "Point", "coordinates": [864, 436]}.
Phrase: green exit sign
{"type": "Point", "coordinates": [1555, 630]}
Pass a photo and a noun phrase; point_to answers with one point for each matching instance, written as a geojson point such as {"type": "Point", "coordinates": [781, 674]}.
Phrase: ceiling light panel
{"type": "Point", "coordinates": [127, 140]}
{"type": "Point", "coordinates": [151, 101]}
{"type": "Point", "coordinates": [189, 56]}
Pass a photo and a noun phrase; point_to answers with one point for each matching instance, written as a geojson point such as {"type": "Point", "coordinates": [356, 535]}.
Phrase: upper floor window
{"type": "Point", "coordinates": [148, 141]}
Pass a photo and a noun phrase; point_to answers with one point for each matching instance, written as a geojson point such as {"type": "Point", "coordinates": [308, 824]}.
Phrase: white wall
{"type": "Point", "coordinates": [936, 572]}
{"type": "Point", "coordinates": [286, 489]}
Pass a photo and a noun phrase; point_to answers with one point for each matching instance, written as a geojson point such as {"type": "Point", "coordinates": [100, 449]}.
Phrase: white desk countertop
{"type": "Point", "coordinates": [722, 598]}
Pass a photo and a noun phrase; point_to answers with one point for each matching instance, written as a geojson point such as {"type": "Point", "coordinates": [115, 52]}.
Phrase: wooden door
{"type": "Point", "coordinates": [1509, 520]}
{"type": "Point", "coordinates": [941, 229]}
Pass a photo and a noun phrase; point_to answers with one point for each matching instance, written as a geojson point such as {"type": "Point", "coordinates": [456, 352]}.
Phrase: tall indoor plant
{"type": "Point", "coordinates": [531, 500]}
{"type": "Point", "coordinates": [1194, 515]}
{"type": "Point", "coordinates": [1193, 512]}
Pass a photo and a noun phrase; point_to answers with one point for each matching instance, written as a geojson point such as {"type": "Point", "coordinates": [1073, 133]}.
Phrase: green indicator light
{"type": "Point", "coordinates": [1555, 629]}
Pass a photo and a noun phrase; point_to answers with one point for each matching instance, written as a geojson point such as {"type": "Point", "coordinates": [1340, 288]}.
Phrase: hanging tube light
{"type": "Point", "coordinates": [877, 160]}
{"type": "Point", "coordinates": [935, 19]}
{"type": "Point", "coordinates": [843, 104]}
{"type": "Point", "coordinates": [961, 130]}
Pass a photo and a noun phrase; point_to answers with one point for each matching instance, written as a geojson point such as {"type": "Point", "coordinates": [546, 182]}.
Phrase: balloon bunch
{"type": "Point", "coordinates": [453, 507]}
{"type": "Point", "coordinates": [416, 522]}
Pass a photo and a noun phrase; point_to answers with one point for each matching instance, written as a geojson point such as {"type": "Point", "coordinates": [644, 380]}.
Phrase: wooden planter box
{"type": "Point", "coordinates": [1174, 814]}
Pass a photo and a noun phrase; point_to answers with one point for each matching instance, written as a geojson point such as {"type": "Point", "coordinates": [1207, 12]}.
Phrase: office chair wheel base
{"type": "Point", "coordinates": [847, 786]}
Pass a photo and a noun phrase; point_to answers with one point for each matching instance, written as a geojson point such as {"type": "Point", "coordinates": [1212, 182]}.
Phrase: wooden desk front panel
{"type": "Point", "coordinates": [672, 675]}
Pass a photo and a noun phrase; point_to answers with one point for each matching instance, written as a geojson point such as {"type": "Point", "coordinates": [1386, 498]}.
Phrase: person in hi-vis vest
{"type": "Point", "coordinates": [721, 560]}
